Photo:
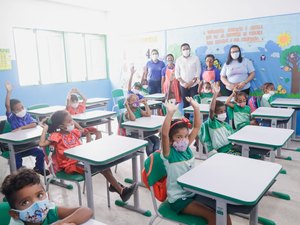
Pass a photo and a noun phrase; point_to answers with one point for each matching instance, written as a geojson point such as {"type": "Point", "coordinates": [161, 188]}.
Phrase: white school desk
{"type": "Point", "coordinates": [18, 138]}
{"type": "Point", "coordinates": [93, 222]}
{"type": "Point", "coordinates": [108, 151]}
{"type": "Point", "coordinates": [3, 118]}
{"type": "Point", "coordinates": [97, 103]}
{"type": "Point", "coordinates": [273, 114]}
{"type": "Point", "coordinates": [231, 179]}
{"type": "Point", "coordinates": [156, 96]}
{"type": "Point", "coordinates": [288, 103]}
{"type": "Point", "coordinates": [261, 137]}
{"type": "Point", "coordinates": [93, 118]}
{"type": "Point", "coordinates": [46, 111]}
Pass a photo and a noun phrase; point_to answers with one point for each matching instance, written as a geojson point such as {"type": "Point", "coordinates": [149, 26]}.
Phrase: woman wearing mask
{"type": "Point", "coordinates": [152, 73]}
{"type": "Point", "coordinates": [169, 84]}
{"type": "Point", "coordinates": [237, 72]}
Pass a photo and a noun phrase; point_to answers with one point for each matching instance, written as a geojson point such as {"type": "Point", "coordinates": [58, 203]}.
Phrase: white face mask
{"type": "Point", "coordinates": [221, 117]}
{"type": "Point", "coordinates": [235, 55]}
{"type": "Point", "coordinates": [70, 127]}
{"type": "Point", "coordinates": [154, 57]}
{"type": "Point", "coordinates": [186, 53]}
{"type": "Point", "coordinates": [75, 105]}
{"type": "Point", "coordinates": [271, 92]}
{"type": "Point", "coordinates": [21, 114]}
{"type": "Point", "coordinates": [181, 145]}
{"type": "Point", "coordinates": [135, 91]}
{"type": "Point", "coordinates": [206, 90]}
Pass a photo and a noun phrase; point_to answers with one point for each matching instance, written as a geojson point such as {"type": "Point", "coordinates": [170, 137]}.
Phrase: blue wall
{"type": "Point", "coordinates": [52, 94]}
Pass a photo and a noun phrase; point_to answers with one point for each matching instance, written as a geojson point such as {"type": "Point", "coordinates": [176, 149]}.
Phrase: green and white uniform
{"type": "Point", "coordinates": [177, 164]}
{"type": "Point", "coordinates": [266, 100]}
{"type": "Point", "coordinates": [241, 116]}
{"type": "Point", "coordinates": [203, 98]}
{"type": "Point", "coordinates": [137, 113]}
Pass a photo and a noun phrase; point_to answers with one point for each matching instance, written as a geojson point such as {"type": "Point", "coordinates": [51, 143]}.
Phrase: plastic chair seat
{"type": "Point", "coordinates": [72, 177]}
{"type": "Point", "coordinates": [166, 211]}
{"type": "Point", "coordinates": [4, 215]}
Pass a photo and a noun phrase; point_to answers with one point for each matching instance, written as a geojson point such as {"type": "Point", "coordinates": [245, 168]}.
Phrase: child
{"type": "Point", "coordinates": [133, 112]}
{"type": "Point", "coordinates": [169, 84]}
{"type": "Point", "coordinates": [137, 88]}
{"type": "Point", "coordinates": [75, 107]}
{"type": "Point", "coordinates": [26, 196]}
{"type": "Point", "coordinates": [63, 136]}
{"type": "Point", "coordinates": [241, 111]}
{"type": "Point", "coordinates": [19, 119]}
{"type": "Point", "coordinates": [204, 96]}
{"type": "Point", "coordinates": [178, 159]}
{"type": "Point", "coordinates": [268, 90]}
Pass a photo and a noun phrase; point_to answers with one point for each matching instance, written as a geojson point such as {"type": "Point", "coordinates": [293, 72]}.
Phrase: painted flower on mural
{"type": "Point", "coordinates": [280, 89]}
{"type": "Point", "coordinates": [284, 40]}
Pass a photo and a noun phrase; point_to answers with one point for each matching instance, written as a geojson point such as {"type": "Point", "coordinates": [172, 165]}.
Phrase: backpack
{"type": "Point", "coordinates": [154, 174]}
{"type": "Point", "coordinates": [253, 103]}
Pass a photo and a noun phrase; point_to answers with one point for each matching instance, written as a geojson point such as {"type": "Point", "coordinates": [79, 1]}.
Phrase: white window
{"type": "Point", "coordinates": [46, 57]}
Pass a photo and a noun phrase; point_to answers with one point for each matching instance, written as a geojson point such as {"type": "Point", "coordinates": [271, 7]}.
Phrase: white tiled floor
{"type": "Point", "coordinates": [283, 212]}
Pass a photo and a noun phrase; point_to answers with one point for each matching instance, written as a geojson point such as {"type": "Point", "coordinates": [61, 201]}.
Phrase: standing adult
{"type": "Point", "coordinates": [152, 73]}
{"type": "Point", "coordinates": [210, 73]}
{"type": "Point", "coordinates": [237, 72]}
{"type": "Point", "coordinates": [187, 72]}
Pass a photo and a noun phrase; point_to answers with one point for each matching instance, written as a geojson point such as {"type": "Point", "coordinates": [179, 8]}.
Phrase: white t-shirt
{"type": "Point", "coordinates": [238, 72]}
{"type": "Point", "coordinates": [187, 68]}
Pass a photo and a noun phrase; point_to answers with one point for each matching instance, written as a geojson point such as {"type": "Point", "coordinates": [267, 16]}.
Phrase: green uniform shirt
{"type": "Point", "coordinates": [241, 116]}
{"type": "Point", "coordinates": [203, 98]}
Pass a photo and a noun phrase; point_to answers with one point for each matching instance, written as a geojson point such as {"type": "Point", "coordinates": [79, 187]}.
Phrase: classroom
{"type": "Point", "coordinates": [95, 86]}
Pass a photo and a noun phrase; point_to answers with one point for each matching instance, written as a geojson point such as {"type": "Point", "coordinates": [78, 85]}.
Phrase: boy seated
{"type": "Point", "coordinates": [204, 93]}
{"type": "Point", "coordinates": [30, 203]}
{"type": "Point", "coordinates": [75, 107]}
{"type": "Point", "coordinates": [19, 119]}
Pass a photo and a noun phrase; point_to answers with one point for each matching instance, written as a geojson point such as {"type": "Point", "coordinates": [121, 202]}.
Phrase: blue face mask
{"type": "Point", "coordinates": [36, 213]}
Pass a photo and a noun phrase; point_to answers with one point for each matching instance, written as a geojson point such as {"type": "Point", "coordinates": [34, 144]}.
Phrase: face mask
{"type": "Point", "coordinates": [206, 90]}
{"type": "Point", "coordinates": [235, 55]}
{"type": "Point", "coordinates": [135, 91]}
{"type": "Point", "coordinates": [136, 104]}
{"type": "Point", "coordinates": [221, 117]}
{"type": "Point", "coordinates": [70, 127]}
{"type": "Point", "coordinates": [36, 213]}
{"type": "Point", "coordinates": [154, 57]}
{"type": "Point", "coordinates": [21, 114]}
{"type": "Point", "coordinates": [271, 92]}
{"type": "Point", "coordinates": [181, 145]}
{"type": "Point", "coordinates": [242, 104]}
{"type": "Point", "coordinates": [74, 105]}
{"type": "Point", "coordinates": [186, 53]}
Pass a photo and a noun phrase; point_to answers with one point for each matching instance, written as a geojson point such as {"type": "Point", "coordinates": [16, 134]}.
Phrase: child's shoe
{"type": "Point", "coordinates": [128, 191]}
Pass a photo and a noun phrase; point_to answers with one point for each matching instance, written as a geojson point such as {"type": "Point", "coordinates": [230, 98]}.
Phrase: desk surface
{"type": "Point", "coordinates": [151, 103]}
{"type": "Point", "coordinates": [156, 96]}
{"type": "Point", "coordinates": [273, 112]}
{"type": "Point", "coordinates": [96, 100]}
{"type": "Point", "coordinates": [233, 178]}
{"type": "Point", "coordinates": [96, 114]}
{"type": "Point", "coordinates": [105, 150]}
{"type": "Point", "coordinates": [21, 135]}
{"type": "Point", "coordinates": [152, 123]}
{"type": "Point", "coordinates": [3, 118]}
{"type": "Point", "coordinates": [46, 110]}
{"type": "Point", "coordinates": [262, 136]}
{"type": "Point", "coordinates": [204, 108]}
{"type": "Point", "coordinates": [93, 222]}
{"type": "Point", "coordinates": [287, 102]}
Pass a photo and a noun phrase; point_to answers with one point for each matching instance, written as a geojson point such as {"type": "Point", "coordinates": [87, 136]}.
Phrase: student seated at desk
{"type": "Point", "coordinates": [64, 136]}
{"type": "Point", "coordinates": [19, 119]}
{"type": "Point", "coordinates": [75, 107]}
{"type": "Point", "coordinates": [137, 87]}
{"type": "Point", "coordinates": [133, 112]}
{"type": "Point", "coordinates": [269, 91]}
{"type": "Point", "coordinates": [241, 111]}
{"type": "Point", "coordinates": [179, 159]}
{"type": "Point", "coordinates": [204, 93]}
{"type": "Point", "coordinates": [26, 196]}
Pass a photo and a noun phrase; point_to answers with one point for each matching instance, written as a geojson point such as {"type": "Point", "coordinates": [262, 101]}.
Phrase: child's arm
{"type": "Point", "coordinates": [75, 90]}
{"type": "Point", "coordinates": [43, 140]}
{"type": "Point", "coordinates": [228, 101]}
{"type": "Point", "coordinates": [8, 94]}
{"type": "Point", "coordinates": [129, 114]}
{"type": "Point", "coordinates": [216, 88]}
{"type": "Point", "coordinates": [31, 125]}
{"type": "Point", "coordinates": [147, 111]}
{"type": "Point", "coordinates": [132, 71]}
{"type": "Point", "coordinates": [73, 215]}
{"type": "Point", "coordinates": [200, 87]}
{"type": "Point", "coordinates": [171, 109]}
{"type": "Point", "coordinates": [69, 98]}
{"type": "Point", "coordinates": [197, 121]}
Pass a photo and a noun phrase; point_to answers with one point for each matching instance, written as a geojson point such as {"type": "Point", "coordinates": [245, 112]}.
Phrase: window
{"type": "Point", "coordinates": [47, 57]}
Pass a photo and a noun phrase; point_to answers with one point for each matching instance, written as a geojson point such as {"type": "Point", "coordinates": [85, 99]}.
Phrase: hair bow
{"type": "Point", "coordinates": [187, 121]}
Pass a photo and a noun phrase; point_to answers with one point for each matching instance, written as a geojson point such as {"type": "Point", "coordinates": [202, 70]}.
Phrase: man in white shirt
{"type": "Point", "coordinates": [187, 72]}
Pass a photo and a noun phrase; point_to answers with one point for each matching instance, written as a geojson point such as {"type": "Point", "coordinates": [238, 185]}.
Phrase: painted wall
{"type": "Point", "coordinates": [52, 16]}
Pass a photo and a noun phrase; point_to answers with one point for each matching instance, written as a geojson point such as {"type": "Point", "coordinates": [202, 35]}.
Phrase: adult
{"type": "Point", "coordinates": [169, 84]}
{"type": "Point", "coordinates": [187, 72]}
{"type": "Point", "coordinates": [210, 73]}
{"type": "Point", "coordinates": [152, 73]}
{"type": "Point", "coordinates": [237, 72]}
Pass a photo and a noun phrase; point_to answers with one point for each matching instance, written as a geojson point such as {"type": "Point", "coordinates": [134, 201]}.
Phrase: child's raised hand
{"type": "Point", "coordinates": [193, 103]}
{"type": "Point", "coordinates": [132, 70]}
{"type": "Point", "coordinates": [8, 86]}
{"type": "Point", "coordinates": [216, 87]}
{"type": "Point", "coordinates": [171, 107]}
